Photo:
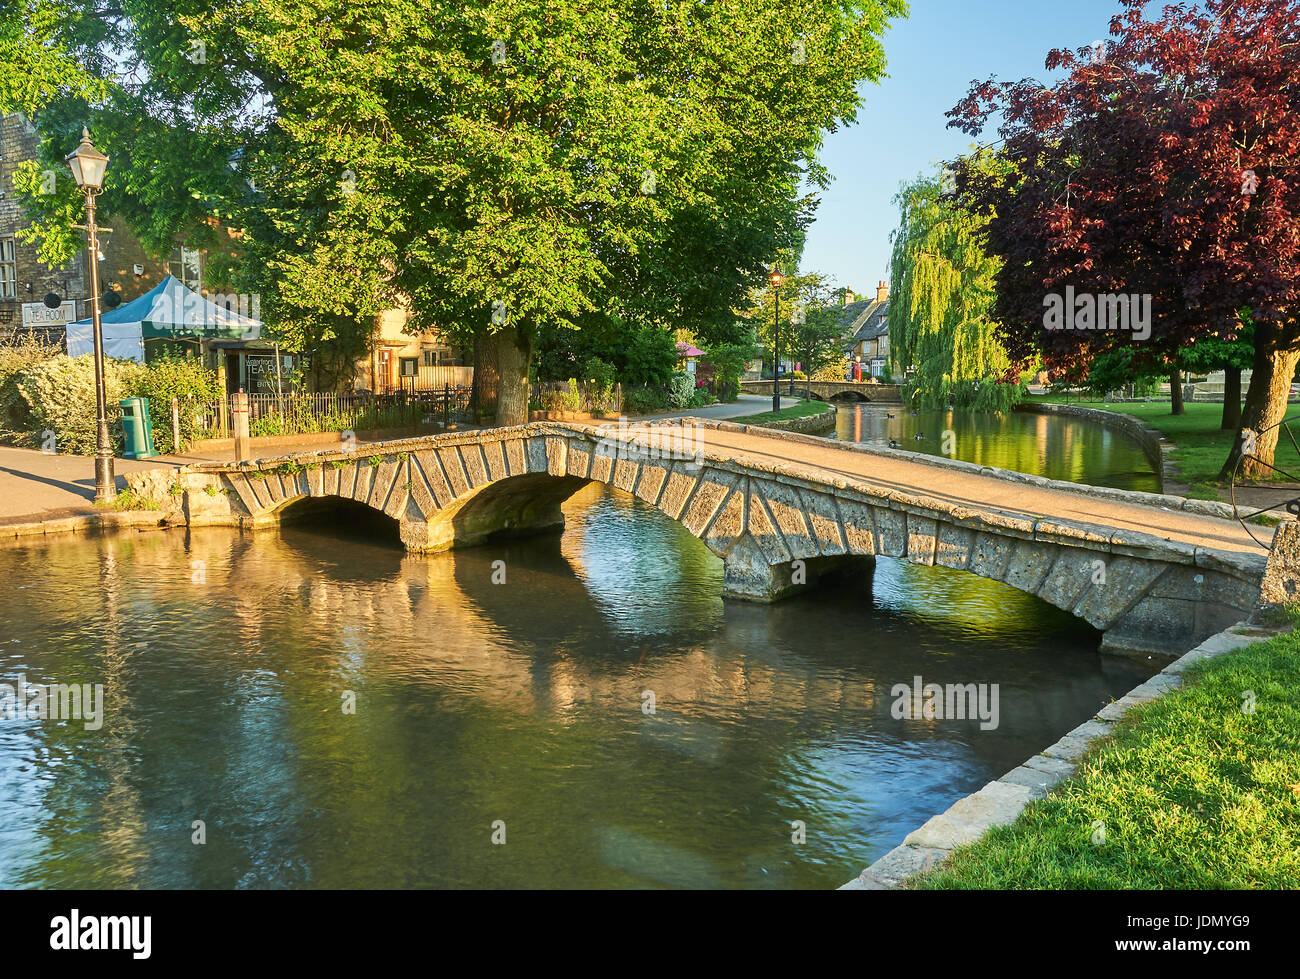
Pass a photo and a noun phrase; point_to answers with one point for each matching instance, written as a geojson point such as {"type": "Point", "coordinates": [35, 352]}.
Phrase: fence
{"type": "Point", "coordinates": [301, 413]}
{"type": "Point", "coordinates": [432, 379]}
{"type": "Point", "coordinates": [573, 396]}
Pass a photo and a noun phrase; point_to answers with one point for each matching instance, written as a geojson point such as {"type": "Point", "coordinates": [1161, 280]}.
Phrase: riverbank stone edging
{"type": "Point", "coordinates": [823, 421]}
{"type": "Point", "coordinates": [1155, 446]}
{"type": "Point", "coordinates": [83, 523]}
{"type": "Point", "coordinates": [1001, 802]}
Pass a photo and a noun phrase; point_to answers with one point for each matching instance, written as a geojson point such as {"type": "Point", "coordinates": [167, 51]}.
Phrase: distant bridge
{"type": "Point", "coordinates": [779, 509]}
{"type": "Point", "coordinates": [830, 390]}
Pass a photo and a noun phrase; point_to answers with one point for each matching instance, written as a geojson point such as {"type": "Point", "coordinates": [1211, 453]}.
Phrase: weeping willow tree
{"type": "Point", "coordinates": [941, 291]}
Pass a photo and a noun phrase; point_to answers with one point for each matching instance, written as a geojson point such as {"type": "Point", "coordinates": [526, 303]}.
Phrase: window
{"type": "Point", "coordinates": [8, 269]}
{"type": "Point", "coordinates": [185, 265]}
{"type": "Point", "coordinates": [410, 367]}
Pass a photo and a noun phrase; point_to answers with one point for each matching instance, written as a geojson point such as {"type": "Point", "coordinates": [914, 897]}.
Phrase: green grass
{"type": "Point", "coordinates": [129, 499]}
{"type": "Point", "coordinates": [1193, 793]}
{"type": "Point", "coordinates": [1202, 445]}
{"type": "Point", "coordinates": [801, 410]}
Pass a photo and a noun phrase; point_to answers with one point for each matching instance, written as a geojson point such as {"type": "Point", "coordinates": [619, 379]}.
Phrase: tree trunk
{"type": "Point", "coordinates": [487, 376]}
{"type": "Point", "coordinates": [1266, 401]}
{"type": "Point", "coordinates": [514, 357]}
{"type": "Point", "coordinates": [1176, 393]}
{"type": "Point", "coordinates": [1231, 399]}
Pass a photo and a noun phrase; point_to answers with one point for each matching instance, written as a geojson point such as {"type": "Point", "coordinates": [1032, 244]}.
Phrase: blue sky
{"type": "Point", "coordinates": [933, 56]}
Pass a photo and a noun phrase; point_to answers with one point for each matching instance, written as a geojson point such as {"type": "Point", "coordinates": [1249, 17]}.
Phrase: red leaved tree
{"type": "Point", "coordinates": [1164, 163]}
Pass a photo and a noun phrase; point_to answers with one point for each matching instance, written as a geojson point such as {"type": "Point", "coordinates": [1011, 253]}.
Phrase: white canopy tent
{"type": "Point", "coordinates": [170, 310]}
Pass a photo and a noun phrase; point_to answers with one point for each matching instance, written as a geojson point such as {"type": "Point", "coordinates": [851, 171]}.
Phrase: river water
{"type": "Point", "coordinates": [602, 710]}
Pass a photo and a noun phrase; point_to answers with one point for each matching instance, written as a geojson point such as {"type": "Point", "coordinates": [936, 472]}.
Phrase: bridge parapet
{"type": "Point", "coordinates": [776, 525]}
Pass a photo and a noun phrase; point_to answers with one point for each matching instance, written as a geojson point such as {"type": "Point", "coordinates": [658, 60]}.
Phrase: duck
{"type": "Point", "coordinates": [918, 436]}
{"type": "Point", "coordinates": [888, 415]}
{"type": "Point", "coordinates": [895, 444]}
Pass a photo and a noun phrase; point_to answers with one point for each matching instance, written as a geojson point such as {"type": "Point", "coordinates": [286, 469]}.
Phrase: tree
{"type": "Point", "coordinates": [803, 296]}
{"type": "Point", "coordinates": [1162, 165]}
{"type": "Point", "coordinates": [505, 165]}
{"type": "Point", "coordinates": [941, 284]}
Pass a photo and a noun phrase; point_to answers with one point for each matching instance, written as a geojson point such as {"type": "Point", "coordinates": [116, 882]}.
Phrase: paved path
{"type": "Point", "coordinates": [38, 485]}
{"type": "Point", "coordinates": [951, 487]}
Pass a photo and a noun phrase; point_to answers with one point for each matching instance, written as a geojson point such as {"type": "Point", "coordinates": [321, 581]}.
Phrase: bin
{"type": "Point", "coordinates": [137, 429]}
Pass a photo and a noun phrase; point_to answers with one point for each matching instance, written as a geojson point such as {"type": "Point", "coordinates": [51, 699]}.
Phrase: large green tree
{"type": "Point", "coordinates": [504, 165]}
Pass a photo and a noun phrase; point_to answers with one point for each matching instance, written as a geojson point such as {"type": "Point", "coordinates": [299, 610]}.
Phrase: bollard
{"type": "Point", "coordinates": [239, 424]}
{"type": "Point", "coordinates": [176, 426]}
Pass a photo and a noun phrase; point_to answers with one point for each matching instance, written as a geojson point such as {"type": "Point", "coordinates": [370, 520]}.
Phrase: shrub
{"type": "Point", "coordinates": [16, 356]}
{"type": "Point", "coordinates": [60, 397]}
{"type": "Point", "coordinates": [681, 388]}
{"type": "Point", "coordinates": [187, 380]}
{"type": "Point", "coordinates": [645, 400]}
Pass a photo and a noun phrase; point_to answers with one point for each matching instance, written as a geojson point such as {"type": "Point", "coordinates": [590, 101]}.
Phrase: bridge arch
{"type": "Point", "coordinates": [775, 529]}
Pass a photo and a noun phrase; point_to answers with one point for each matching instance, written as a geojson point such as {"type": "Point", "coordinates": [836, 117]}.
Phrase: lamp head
{"type": "Point", "coordinates": [87, 164]}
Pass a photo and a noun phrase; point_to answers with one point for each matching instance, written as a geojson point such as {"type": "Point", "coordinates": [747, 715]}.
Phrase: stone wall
{"type": "Point", "coordinates": [1154, 445]}
{"type": "Point", "coordinates": [818, 424]}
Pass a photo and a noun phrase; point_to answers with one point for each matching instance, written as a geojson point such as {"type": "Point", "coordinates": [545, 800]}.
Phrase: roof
{"type": "Point", "coordinates": [684, 349]}
{"type": "Point", "coordinates": [875, 323]}
{"type": "Point", "coordinates": [172, 308]}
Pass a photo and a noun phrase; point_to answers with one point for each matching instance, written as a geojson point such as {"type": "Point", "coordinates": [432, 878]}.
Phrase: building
{"type": "Point", "coordinates": [396, 361]}
{"type": "Point", "coordinates": [401, 361]}
{"type": "Point", "coordinates": [865, 329]}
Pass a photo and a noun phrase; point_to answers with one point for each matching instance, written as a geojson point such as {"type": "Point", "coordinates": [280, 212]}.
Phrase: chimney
{"type": "Point", "coordinates": [882, 293]}
{"type": "Point", "coordinates": [848, 297]}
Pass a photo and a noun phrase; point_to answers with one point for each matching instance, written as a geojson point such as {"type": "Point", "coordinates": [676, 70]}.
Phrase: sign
{"type": "Point", "coordinates": [40, 315]}
{"type": "Point", "coordinates": [260, 372]}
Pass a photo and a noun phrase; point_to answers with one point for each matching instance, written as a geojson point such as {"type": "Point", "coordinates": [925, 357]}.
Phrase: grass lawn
{"type": "Point", "coordinates": [1202, 445]}
{"type": "Point", "coordinates": [801, 409]}
{"type": "Point", "coordinates": [1192, 791]}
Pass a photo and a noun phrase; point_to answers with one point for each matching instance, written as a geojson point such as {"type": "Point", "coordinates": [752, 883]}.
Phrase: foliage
{"type": "Point", "coordinates": [190, 383]}
{"type": "Point", "coordinates": [1162, 168]}
{"type": "Point", "coordinates": [499, 167]}
{"type": "Point", "coordinates": [728, 363]}
{"type": "Point", "coordinates": [600, 374]}
{"type": "Point", "coordinates": [941, 284]}
{"type": "Point", "coordinates": [681, 388]}
{"type": "Point", "coordinates": [19, 353]}
{"type": "Point", "coordinates": [640, 353]}
{"type": "Point", "coordinates": [645, 400]}
{"type": "Point", "coordinates": [59, 397]}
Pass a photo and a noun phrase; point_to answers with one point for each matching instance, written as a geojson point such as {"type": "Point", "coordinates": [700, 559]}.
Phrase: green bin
{"type": "Point", "coordinates": [137, 429]}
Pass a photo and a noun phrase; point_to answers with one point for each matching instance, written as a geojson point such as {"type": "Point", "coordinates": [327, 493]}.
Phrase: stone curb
{"type": "Point", "coordinates": [809, 424]}
{"type": "Point", "coordinates": [1003, 800]}
{"type": "Point", "coordinates": [86, 523]}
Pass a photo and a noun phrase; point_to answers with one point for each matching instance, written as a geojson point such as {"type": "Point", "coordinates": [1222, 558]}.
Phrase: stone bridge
{"type": "Point", "coordinates": [830, 390]}
{"type": "Point", "coordinates": [1155, 574]}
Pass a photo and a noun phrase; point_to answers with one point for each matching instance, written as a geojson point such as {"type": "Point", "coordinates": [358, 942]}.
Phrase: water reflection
{"type": "Point", "coordinates": [523, 702]}
{"type": "Point", "coordinates": [1041, 445]}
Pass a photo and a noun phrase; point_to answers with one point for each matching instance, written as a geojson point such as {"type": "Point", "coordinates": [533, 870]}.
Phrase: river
{"type": "Point", "coordinates": [599, 718]}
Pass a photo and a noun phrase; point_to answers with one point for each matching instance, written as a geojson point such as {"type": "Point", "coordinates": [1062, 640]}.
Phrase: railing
{"type": "Point", "coordinates": [432, 379]}
{"type": "Point", "coordinates": [574, 396]}
{"type": "Point", "coordinates": [301, 413]}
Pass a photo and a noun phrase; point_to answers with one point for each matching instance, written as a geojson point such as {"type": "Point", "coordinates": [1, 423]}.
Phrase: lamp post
{"type": "Point", "coordinates": [776, 344]}
{"type": "Point", "coordinates": [88, 165]}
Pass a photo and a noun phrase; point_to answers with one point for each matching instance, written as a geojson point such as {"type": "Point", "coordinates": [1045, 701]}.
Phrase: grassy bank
{"type": "Point", "coordinates": [1193, 792]}
{"type": "Point", "coordinates": [802, 409]}
{"type": "Point", "coordinates": [1202, 445]}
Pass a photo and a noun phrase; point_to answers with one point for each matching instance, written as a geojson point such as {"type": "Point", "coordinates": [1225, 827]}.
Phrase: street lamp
{"type": "Point", "coordinates": [776, 344]}
{"type": "Point", "coordinates": [88, 165]}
